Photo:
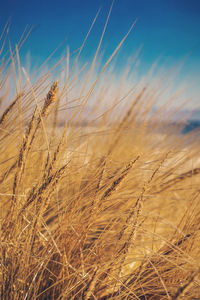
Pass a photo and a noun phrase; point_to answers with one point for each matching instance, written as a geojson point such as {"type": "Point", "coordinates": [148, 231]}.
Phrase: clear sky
{"type": "Point", "coordinates": [166, 28]}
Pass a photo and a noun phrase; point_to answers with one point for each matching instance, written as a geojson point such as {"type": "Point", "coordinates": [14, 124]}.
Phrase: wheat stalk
{"type": "Point", "coordinates": [8, 109]}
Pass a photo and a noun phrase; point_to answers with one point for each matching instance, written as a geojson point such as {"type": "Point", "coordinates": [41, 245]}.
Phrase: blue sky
{"type": "Point", "coordinates": [169, 29]}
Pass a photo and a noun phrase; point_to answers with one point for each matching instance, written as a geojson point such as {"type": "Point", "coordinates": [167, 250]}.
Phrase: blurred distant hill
{"type": "Point", "coordinates": [191, 120]}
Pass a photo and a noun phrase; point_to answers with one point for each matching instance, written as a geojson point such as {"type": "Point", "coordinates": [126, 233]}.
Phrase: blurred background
{"type": "Point", "coordinates": [166, 33]}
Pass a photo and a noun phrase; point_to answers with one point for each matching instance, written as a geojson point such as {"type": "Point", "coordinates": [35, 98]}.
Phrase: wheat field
{"type": "Point", "coordinates": [97, 202]}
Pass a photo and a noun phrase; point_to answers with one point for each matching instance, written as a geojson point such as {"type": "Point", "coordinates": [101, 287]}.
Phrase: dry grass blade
{"type": "Point", "coordinates": [186, 287]}
{"type": "Point", "coordinates": [178, 179]}
{"type": "Point", "coordinates": [8, 109]}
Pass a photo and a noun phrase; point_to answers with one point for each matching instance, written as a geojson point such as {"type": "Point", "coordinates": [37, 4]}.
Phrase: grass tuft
{"type": "Point", "coordinates": [97, 202]}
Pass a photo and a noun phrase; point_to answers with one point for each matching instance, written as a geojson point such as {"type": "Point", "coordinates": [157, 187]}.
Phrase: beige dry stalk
{"type": "Point", "coordinates": [178, 179]}
{"type": "Point", "coordinates": [8, 109]}
{"type": "Point", "coordinates": [181, 292]}
{"type": "Point", "coordinates": [118, 180]}
{"type": "Point", "coordinates": [114, 143]}
{"type": "Point", "coordinates": [26, 146]}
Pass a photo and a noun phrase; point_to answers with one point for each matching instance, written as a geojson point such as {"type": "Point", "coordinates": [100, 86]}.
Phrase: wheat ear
{"type": "Point", "coordinates": [119, 179]}
{"type": "Point", "coordinates": [31, 133]}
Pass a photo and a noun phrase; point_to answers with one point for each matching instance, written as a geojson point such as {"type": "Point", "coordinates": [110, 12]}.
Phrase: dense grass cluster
{"type": "Point", "coordinates": [103, 206]}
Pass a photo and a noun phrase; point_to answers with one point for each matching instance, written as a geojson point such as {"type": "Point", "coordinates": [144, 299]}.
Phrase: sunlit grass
{"type": "Point", "coordinates": [97, 200]}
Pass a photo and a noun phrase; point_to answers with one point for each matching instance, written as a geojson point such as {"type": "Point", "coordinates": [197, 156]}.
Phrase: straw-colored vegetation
{"type": "Point", "coordinates": [102, 206]}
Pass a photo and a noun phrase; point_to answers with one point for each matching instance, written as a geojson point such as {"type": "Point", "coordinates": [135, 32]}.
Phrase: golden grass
{"type": "Point", "coordinates": [106, 210]}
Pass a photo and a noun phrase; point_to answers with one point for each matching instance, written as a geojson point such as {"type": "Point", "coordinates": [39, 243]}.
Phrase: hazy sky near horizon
{"type": "Point", "coordinates": [165, 29]}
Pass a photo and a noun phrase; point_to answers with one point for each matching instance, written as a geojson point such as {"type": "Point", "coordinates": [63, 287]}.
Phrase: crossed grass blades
{"type": "Point", "coordinates": [98, 207]}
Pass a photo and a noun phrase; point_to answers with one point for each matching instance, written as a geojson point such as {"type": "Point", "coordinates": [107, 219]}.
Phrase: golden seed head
{"type": "Point", "coordinates": [51, 97]}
